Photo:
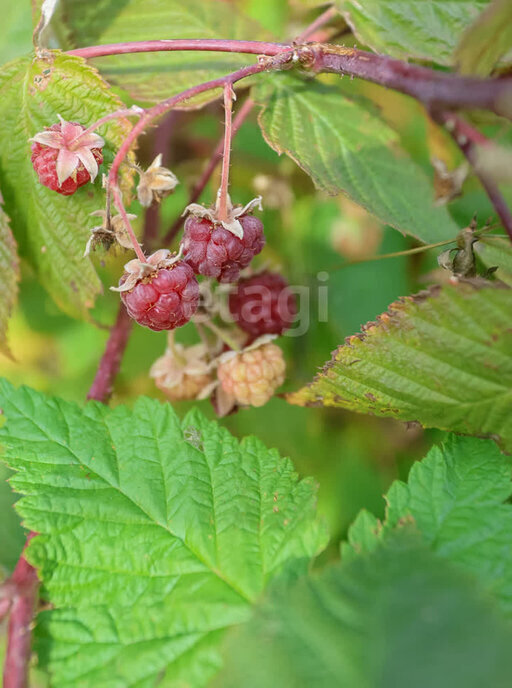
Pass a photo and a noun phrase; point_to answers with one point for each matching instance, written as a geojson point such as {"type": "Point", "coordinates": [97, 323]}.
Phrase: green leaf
{"type": "Point", "coordinates": [52, 229]}
{"type": "Point", "coordinates": [395, 618]}
{"type": "Point", "coordinates": [156, 535]}
{"type": "Point", "coordinates": [423, 29]}
{"type": "Point", "coordinates": [150, 77]}
{"type": "Point", "coordinates": [457, 498]}
{"type": "Point", "coordinates": [12, 537]}
{"type": "Point", "coordinates": [496, 253]}
{"type": "Point", "coordinates": [345, 146]}
{"type": "Point", "coordinates": [486, 40]}
{"type": "Point", "coordinates": [9, 276]}
{"type": "Point", "coordinates": [15, 30]}
{"type": "Point", "coordinates": [443, 358]}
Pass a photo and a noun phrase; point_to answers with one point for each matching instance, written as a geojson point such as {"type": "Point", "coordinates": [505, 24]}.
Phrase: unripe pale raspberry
{"type": "Point", "coordinates": [190, 387]}
{"type": "Point", "coordinates": [214, 251]}
{"type": "Point", "coordinates": [263, 304]}
{"type": "Point", "coordinates": [252, 376]}
{"type": "Point", "coordinates": [65, 158]}
{"type": "Point", "coordinates": [164, 299]}
{"type": "Point", "coordinates": [183, 373]}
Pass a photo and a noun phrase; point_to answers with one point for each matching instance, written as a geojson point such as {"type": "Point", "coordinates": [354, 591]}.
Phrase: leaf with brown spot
{"type": "Point", "coordinates": [442, 357]}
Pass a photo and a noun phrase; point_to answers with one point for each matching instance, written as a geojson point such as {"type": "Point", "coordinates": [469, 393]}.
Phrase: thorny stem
{"type": "Point", "coordinates": [467, 139]}
{"type": "Point", "coordinates": [24, 597]}
{"type": "Point", "coordinates": [203, 44]}
{"type": "Point", "coordinates": [226, 157]}
{"type": "Point", "coordinates": [433, 88]}
{"type": "Point", "coordinates": [319, 22]}
{"type": "Point", "coordinates": [199, 187]}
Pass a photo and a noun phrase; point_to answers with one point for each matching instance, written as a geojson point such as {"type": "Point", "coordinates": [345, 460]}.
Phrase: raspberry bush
{"type": "Point", "coordinates": [170, 292]}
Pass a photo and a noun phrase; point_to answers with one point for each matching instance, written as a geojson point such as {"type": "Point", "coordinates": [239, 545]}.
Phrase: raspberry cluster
{"type": "Point", "coordinates": [161, 291]}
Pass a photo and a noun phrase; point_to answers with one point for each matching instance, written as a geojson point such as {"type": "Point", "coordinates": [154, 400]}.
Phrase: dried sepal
{"type": "Point", "coordinates": [232, 224]}
{"type": "Point", "coordinates": [155, 183]}
{"type": "Point", "coordinates": [137, 270]}
{"type": "Point", "coordinates": [74, 144]}
{"type": "Point", "coordinates": [184, 373]}
{"type": "Point", "coordinates": [112, 230]}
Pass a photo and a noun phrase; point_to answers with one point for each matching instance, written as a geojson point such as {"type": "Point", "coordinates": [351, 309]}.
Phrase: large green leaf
{"type": "Point", "coordinates": [345, 146]}
{"type": "Point", "coordinates": [152, 77]}
{"type": "Point", "coordinates": [457, 497]}
{"type": "Point", "coordinates": [9, 275]}
{"type": "Point", "coordinates": [51, 229]}
{"type": "Point", "coordinates": [424, 29]}
{"type": "Point", "coordinates": [156, 535]}
{"type": "Point", "coordinates": [487, 39]}
{"type": "Point", "coordinates": [12, 537]}
{"type": "Point", "coordinates": [394, 618]}
{"type": "Point", "coordinates": [443, 358]}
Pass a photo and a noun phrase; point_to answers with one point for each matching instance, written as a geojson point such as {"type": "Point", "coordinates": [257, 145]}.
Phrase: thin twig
{"type": "Point", "coordinates": [110, 362]}
{"type": "Point", "coordinates": [319, 22]}
{"type": "Point", "coordinates": [200, 44]}
{"type": "Point", "coordinates": [467, 139]}
{"type": "Point", "coordinates": [216, 157]}
{"type": "Point", "coordinates": [226, 154]}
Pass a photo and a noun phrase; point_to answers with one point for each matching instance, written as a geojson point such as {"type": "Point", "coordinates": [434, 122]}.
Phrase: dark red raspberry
{"type": "Point", "coordinates": [216, 252]}
{"type": "Point", "coordinates": [65, 158]}
{"type": "Point", "coordinates": [165, 299]}
{"type": "Point", "coordinates": [263, 304]}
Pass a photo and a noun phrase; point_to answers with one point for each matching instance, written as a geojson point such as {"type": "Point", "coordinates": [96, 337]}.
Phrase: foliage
{"type": "Point", "coordinates": [344, 146]}
{"type": "Point", "coordinates": [425, 30]}
{"type": "Point", "coordinates": [175, 549]}
{"type": "Point", "coordinates": [441, 358]}
{"type": "Point", "coordinates": [406, 605]}
{"type": "Point", "coordinates": [194, 525]}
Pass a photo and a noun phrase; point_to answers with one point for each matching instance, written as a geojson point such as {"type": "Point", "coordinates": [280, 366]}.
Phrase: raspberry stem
{"type": "Point", "coordinates": [223, 335]}
{"type": "Point", "coordinates": [133, 111]}
{"type": "Point", "coordinates": [119, 205]}
{"type": "Point", "coordinates": [226, 157]}
{"type": "Point", "coordinates": [198, 189]}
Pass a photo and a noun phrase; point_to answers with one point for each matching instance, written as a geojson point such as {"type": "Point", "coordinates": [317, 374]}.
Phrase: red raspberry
{"type": "Point", "coordinates": [263, 304]}
{"type": "Point", "coordinates": [214, 251]}
{"type": "Point", "coordinates": [65, 158]}
{"type": "Point", "coordinates": [164, 299]}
